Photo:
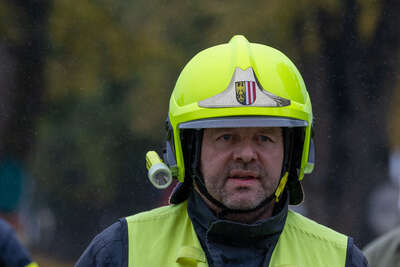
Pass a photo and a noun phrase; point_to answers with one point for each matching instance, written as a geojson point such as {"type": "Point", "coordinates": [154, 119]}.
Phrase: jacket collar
{"type": "Point", "coordinates": [235, 232]}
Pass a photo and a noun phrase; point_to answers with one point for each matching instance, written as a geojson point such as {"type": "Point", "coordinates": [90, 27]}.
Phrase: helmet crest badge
{"type": "Point", "coordinates": [245, 92]}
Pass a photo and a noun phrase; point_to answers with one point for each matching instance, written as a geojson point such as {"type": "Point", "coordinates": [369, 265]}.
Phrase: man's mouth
{"type": "Point", "coordinates": [243, 174]}
{"type": "Point", "coordinates": [243, 178]}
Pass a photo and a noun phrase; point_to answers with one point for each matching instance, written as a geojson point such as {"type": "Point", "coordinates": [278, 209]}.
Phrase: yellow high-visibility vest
{"type": "Point", "coordinates": [166, 237]}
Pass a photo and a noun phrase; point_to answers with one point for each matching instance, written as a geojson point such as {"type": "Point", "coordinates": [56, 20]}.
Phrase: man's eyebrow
{"type": "Point", "coordinates": [268, 129]}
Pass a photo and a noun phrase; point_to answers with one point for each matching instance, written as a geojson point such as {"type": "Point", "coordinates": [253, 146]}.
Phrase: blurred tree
{"type": "Point", "coordinates": [359, 43]}
{"type": "Point", "coordinates": [23, 43]}
{"type": "Point", "coordinates": [106, 92]}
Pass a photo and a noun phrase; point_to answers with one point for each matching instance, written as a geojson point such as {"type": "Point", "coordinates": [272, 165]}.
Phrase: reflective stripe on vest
{"type": "Point", "coordinates": [166, 237]}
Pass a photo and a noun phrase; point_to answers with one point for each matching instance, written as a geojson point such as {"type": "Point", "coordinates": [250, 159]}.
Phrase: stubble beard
{"type": "Point", "coordinates": [241, 198]}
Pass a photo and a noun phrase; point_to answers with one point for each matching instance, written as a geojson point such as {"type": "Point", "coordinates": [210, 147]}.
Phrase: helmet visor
{"type": "Point", "coordinates": [243, 121]}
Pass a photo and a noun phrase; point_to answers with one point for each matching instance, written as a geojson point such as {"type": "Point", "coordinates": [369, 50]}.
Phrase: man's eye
{"type": "Point", "coordinates": [264, 138]}
{"type": "Point", "coordinates": [226, 137]}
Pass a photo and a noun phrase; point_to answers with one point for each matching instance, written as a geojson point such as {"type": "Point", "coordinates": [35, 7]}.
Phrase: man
{"type": "Point", "coordinates": [239, 141]}
{"type": "Point", "coordinates": [384, 250]}
{"type": "Point", "coordinates": [12, 253]}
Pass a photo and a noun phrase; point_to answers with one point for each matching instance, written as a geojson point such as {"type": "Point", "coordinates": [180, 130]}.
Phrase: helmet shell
{"type": "Point", "coordinates": [212, 75]}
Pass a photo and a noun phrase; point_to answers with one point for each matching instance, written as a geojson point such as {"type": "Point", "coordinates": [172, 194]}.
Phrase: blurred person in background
{"type": "Point", "coordinates": [12, 180]}
{"type": "Point", "coordinates": [239, 140]}
{"type": "Point", "coordinates": [384, 251]}
{"type": "Point", "coordinates": [12, 252]}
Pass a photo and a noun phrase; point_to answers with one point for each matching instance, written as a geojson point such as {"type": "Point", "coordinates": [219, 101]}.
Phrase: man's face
{"type": "Point", "coordinates": [242, 166]}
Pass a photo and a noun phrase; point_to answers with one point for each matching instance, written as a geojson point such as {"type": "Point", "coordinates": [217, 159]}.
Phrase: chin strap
{"type": "Point", "coordinates": [281, 186]}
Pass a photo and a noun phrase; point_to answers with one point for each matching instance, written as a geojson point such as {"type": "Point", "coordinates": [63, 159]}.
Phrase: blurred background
{"type": "Point", "coordinates": [84, 92]}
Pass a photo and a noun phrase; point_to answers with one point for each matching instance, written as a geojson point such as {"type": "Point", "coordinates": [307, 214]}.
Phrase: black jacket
{"type": "Point", "coordinates": [12, 253]}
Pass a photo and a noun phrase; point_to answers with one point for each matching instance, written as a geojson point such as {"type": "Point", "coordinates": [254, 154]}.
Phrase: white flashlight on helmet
{"type": "Point", "coordinates": [158, 172]}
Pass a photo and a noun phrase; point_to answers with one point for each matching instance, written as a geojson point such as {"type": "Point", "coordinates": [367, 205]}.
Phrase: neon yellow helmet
{"type": "Point", "coordinates": [240, 84]}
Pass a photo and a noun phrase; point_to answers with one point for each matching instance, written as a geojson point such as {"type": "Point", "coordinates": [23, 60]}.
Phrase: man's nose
{"type": "Point", "coordinates": [245, 152]}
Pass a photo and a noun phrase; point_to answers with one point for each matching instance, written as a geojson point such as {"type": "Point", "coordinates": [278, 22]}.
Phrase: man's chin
{"type": "Point", "coordinates": [242, 204]}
